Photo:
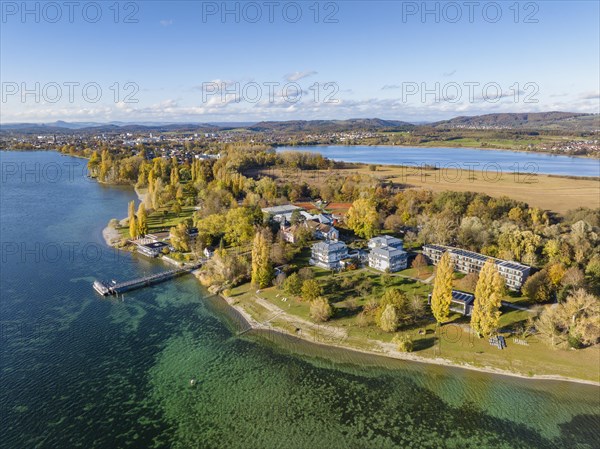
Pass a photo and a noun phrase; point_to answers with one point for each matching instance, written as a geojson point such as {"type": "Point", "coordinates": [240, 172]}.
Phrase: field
{"type": "Point", "coordinates": [553, 193]}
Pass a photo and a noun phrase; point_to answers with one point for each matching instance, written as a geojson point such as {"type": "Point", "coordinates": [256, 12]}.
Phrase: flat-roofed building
{"type": "Point", "coordinates": [152, 249]}
{"type": "Point", "coordinates": [328, 254]}
{"type": "Point", "coordinates": [514, 273]}
{"type": "Point", "coordinates": [388, 258]}
{"type": "Point", "coordinates": [461, 302]}
{"type": "Point", "coordinates": [385, 240]}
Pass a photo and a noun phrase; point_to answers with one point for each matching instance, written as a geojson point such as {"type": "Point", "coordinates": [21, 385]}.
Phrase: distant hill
{"type": "Point", "coordinates": [318, 126]}
{"type": "Point", "coordinates": [567, 121]}
{"type": "Point", "coordinates": [113, 127]}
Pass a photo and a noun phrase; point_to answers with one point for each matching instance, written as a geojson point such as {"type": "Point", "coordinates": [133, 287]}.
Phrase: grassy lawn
{"type": "Point", "coordinates": [164, 219]}
{"type": "Point", "coordinates": [452, 341]}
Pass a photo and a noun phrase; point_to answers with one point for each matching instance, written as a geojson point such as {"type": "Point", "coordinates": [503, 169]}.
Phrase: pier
{"type": "Point", "coordinates": [115, 288]}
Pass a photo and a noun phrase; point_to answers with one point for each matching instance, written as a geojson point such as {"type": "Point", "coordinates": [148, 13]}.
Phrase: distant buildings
{"type": "Point", "coordinates": [387, 254]}
{"type": "Point", "coordinates": [328, 254]}
{"type": "Point", "coordinates": [461, 302]}
{"type": "Point", "coordinates": [515, 274]}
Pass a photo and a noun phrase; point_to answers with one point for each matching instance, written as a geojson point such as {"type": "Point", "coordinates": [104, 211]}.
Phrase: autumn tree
{"type": "Point", "coordinates": [293, 285]}
{"type": "Point", "coordinates": [441, 297]}
{"type": "Point", "coordinates": [573, 323]}
{"type": "Point", "coordinates": [391, 310]}
{"type": "Point", "coordinates": [538, 287]}
{"type": "Point", "coordinates": [363, 219]}
{"type": "Point", "coordinates": [389, 319]}
{"type": "Point", "coordinates": [311, 289]}
{"type": "Point", "coordinates": [133, 230]}
{"type": "Point", "coordinates": [488, 299]}
{"type": "Point", "coordinates": [262, 269]}
{"type": "Point", "coordinates": [142, 220]}
{"type": "Point", "coordinates": [320, 309]}
{"type": "Point", "coordinates": [419, 264]}
{"type": "Point", "coordinates": [180, 239]}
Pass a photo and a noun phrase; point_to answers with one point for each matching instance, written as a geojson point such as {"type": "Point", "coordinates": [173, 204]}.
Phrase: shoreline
{"type": "Point", "coordinates": [388, 350]}
{"type": "Point", "coordinates": [111, 236]}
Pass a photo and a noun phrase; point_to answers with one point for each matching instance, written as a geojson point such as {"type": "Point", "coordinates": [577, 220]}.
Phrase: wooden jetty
{"type": "Point", "coordinates": [115, 288]}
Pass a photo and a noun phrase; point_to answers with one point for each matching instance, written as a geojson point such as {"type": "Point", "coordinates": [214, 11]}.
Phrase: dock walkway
{"type": "Point", "coordinates": [111, 288]}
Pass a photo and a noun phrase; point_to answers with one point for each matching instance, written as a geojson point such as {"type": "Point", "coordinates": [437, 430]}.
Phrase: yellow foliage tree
{"type": "Point", "coordinates": [488, 299]}
{"type": "Point", "coordinates": [363, 219]}
{"type": "Point", "coordinates": [441, 296]}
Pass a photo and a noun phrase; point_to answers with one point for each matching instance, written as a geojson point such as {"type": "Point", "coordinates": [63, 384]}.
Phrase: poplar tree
{"type": "Point", "coordinates": [142, 220]}
{"type": "Point", "coordinates": [131, 218]}
{"type": "Point", "coordinates": [441, 296]}
{"type": "Point", "coordinates": [488, 299]}
{"type": "Point", "coordinates": [132, 228]}
{"type": "Point", "coordinates": [262, 269]}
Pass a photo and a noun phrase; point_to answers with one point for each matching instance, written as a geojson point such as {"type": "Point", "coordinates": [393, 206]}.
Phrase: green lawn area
{"type": "Point", "coordinates": [164, 219]}
{"type": "Point", "coordinates": [452, 341]}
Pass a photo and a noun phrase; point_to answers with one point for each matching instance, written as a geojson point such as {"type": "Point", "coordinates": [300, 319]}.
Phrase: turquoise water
{"type": "Point", "coordinates": [78, 370]}
{"type": "Point", "coordinates": [496, 162]}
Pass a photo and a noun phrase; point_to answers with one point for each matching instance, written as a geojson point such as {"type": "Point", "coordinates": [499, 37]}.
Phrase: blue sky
{"type": "Point", "coordinates": [170, 61]}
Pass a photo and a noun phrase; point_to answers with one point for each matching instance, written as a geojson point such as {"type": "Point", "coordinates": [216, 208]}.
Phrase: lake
{"type": "Point", "coordinates": [464, 158]}
{"type": "Point", "coordinates": [79, 370]}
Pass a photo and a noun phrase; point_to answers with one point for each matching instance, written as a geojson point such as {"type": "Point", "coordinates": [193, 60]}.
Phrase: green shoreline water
{"type": "Point", "coordinates": [81, 371]}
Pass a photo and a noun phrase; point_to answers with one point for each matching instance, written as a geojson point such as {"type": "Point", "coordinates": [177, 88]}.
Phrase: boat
{"type": "Point", "coordinates": [101, 288]}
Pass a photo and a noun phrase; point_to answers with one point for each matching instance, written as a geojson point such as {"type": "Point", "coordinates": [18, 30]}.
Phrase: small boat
{"type": "Point", "coordinates": [192, 382]}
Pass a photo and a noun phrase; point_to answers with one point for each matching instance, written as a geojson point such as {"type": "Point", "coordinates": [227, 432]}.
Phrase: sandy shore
{"type": "Point", "coordinates": [382, 349]}
{"type": "Point", "coordinates": [110, 234]}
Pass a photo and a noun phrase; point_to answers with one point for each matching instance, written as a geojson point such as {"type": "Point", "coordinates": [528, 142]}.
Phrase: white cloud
{"type": "Point", "coordinates": [296, 76]}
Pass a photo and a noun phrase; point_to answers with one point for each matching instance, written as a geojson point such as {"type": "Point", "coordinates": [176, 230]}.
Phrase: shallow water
{"type": "Point", "coordinates": [78, 370]}
{"type": "Point", "coordinates": [496, 163]}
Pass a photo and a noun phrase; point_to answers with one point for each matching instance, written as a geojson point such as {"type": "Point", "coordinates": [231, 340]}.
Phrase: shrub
{"type": "Point", "coordinates": [320, 309]}
{"type": "Point", "coordinates": [404, 343]}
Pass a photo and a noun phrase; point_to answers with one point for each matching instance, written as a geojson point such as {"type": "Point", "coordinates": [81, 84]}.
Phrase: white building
{"type": "Point", "coordinates": [386, 240]}
{"type": "Point", "coordinates": [388, 258]}
{"type": "Point", "coordinates": [514, 273]}
{"type": "Point", "coordinates": [328, 254]}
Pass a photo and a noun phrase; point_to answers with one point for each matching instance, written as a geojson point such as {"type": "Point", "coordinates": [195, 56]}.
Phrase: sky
{"type": "Point", "coordinates": [193, 61]}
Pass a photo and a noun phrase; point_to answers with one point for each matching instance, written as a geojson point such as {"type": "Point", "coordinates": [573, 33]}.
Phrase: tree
{"type": "Point", "coordinates": [573, 323]}
{"type": "Point", "coordinates": [441, 297]}
{"type": "Point", "coordinates": [262, 269]}
{"type": "Point", "coordinates": [573, 277]}
{"type": "Point", "coordinates": [363, 219]}
{"type": "Point", "coordinates": [311, 289]}
{"type": "Point", "coordinates": [537, 287]}
{"type": "Point", "coordinates": [296, 217]}
{"type": "Point", "coordinates": [133, 230]}
{"type": "Point", "coordinates": [180, 240]}
{"type": "Point", "coordinates": [320, 309]}
{"type": "Point", "coordinates": [404, 343]}
{"type": "Point", "coordinates": [306, 273]}
{"type": "Point", "coordinates": [419, 263]}
{"type": "Point", "coordinates": [293, 285]}
{"type": "Point", "coordinates": [488, 299]}
{"type": "Point", "coordinates": [142, 220]}
{"type": "Point", "coordinates": [390, 319]}
{"type": "Point", "coordinates": [398, 301]}
{"type": "Point", "coordinates": [131, 217]}
{"type": "Point", "coordinates": [280, 280]}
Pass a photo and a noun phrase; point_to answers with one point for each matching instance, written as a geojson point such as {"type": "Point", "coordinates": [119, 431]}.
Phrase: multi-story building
{"type": "Point", "coordinates": [387, 258]}
{"type": "Point", "coordinates": [514, 274]}
{"type": "Point", "coordinates": [328, 254]}
{"type": "Point", "coordinates": [385, 240]}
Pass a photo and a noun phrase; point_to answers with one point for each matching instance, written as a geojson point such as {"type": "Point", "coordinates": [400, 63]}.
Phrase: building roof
{"type": "Point", "coordinates": [155, 245]}
{"type": "Point", "coordinates": [280, 210]}
{"type": "Point", "coordinates": [329, 246]}
{"type": "Point", "coordinates": [385, 240]}
{"type": "Point", "coordinates": [473, 255]}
